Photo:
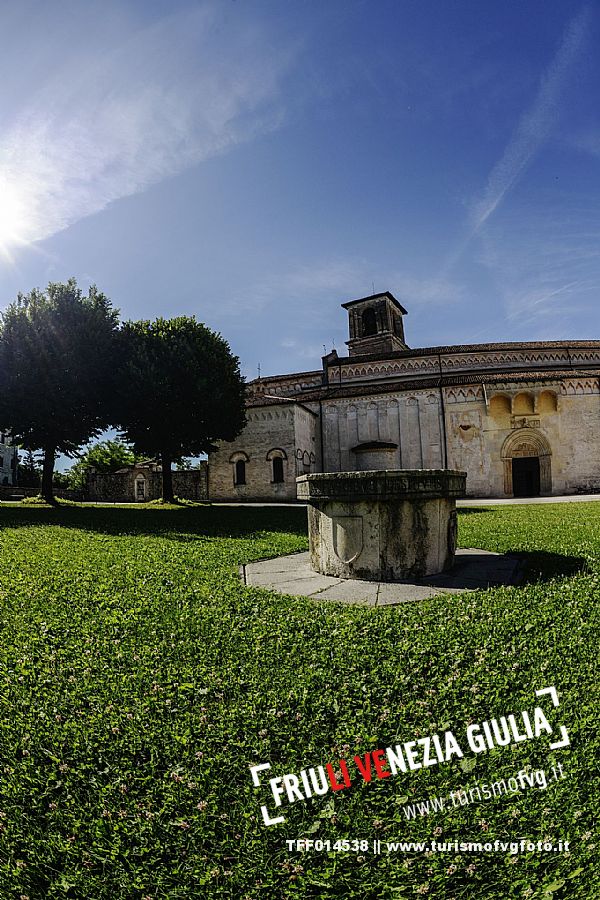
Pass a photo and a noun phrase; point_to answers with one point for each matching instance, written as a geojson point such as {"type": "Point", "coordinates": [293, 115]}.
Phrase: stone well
{"type": "Point", "coordinates": [391, 525]}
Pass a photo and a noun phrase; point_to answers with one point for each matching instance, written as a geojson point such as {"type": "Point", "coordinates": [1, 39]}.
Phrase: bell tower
{"type": "Point", "coordinates": [375, 325]}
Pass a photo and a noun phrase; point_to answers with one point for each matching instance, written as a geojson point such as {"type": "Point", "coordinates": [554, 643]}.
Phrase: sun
{"type": "Point", "coordinates": [14, 223]}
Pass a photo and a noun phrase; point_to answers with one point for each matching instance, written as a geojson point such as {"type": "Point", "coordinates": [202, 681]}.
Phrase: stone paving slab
{"type": "Point", "coordinates": [294, 562]}
{"type": "Point", "coordinates": [304, 572]}
{"type": "Point", "coordinates": [292, 575]}
{"type": "Point", "coordinates": [391, 594]}
{"type": "Point", "coordinates": [347, 591]}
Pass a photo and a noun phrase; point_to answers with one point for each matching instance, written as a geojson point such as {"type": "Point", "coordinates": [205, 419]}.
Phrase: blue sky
{"type": "Point", "coordinates": [259, 163]}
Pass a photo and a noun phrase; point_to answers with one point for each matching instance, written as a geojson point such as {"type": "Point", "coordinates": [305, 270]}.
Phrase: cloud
{"type": "Point", "coordinates": [544, 264]}
{"type": "Point", "coordinates": [126, 115]}
{"type": "Point", "coordinates": [536, 304]}
{"type": "Point", "coordinates": [535, 125]}
{"type": "Point", "coordinates": [424, 293]}
{"type": "Point", "coordinates": [314, 286]}
{"type": "Point", "coordinates": [587, 141]}
{"type": "Point", "coordinates": [304, 287]}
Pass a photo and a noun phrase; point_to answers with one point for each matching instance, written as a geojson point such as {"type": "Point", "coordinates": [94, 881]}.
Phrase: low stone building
{"type": "Point", "coordinates": [520, 418]}
{"type": "Point", "coordinates": [8, 461]}
{"type": "Point", "coordinates": [143, 482]}
{"type": "Point", "coordinates": [279, 442]}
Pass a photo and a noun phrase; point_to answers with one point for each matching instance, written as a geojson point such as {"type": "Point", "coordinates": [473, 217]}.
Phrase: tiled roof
{"type": "Point", "coordinates": [261, 400]}
{"type": "Point", "coordinates": [296, 375]}
{"type": "Point", "coordinates": [453, 349]}
{"type": "Point", "coordinates": [331, 392]}
{"type": "Point", "coordinates": [375, 297]}
{"type": "Point", "coordinates": [445, 350]}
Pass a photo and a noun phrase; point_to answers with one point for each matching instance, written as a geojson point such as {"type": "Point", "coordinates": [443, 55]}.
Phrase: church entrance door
{"type": "Point", "coordinates": [526, 476]}
{"type": "Point", "coordinates": [527, 457]}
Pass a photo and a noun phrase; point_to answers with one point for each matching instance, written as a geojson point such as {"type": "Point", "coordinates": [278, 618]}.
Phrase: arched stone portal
{"type": "Point", "coordinates": [526, 456]}
{"type": "Point", "coordinates": [141, 493]}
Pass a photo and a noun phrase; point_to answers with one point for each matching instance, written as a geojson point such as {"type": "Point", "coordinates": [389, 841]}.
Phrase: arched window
{"type": "Point", "coordinates": [276, 456]}
{"type": "Point", "coordinates": [238, 462]}
{"type": "Point", "coordinates": [369, 322]}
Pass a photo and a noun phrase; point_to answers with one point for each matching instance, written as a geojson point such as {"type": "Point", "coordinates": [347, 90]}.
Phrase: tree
{"type": "Point", "coordinates": [61, 480]}
{"type": "Point", "coordinates": [104, 456]}
{"type": "Point", "coordinates": [181, 391]}
{"type": "Point", "coordinates": [29, 473]}
{"type": "Point", "coordinates": [57, 370]}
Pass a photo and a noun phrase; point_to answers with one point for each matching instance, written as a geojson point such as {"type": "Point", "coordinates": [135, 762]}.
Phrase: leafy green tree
{"type": "Point", "coordinates": [29, 472]}
{"type": "Point", "coordinates": [61, 480]}
{"type": "Point", "coordinates": [57, 370]}
{"type": "Point", "coordinates": [185, 464]}
{"type": "Point", "coordinates": [104, 456]}
{"type": "Point", "coordinates": [181, 391]}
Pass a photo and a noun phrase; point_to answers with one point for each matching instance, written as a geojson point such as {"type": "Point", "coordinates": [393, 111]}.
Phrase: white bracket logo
{"type": "Point", "coordinates": [564, 742]}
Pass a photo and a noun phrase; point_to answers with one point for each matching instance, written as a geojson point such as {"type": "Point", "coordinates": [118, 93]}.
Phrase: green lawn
{"type": "Point", "coordinates": [139, 680]}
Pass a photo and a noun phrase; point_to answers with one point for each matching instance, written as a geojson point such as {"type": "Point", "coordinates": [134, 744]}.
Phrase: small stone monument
{"type": "Point", "coordinates": [390, 525]}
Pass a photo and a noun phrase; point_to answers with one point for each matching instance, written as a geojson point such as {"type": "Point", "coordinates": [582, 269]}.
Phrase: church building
{"type": "Point", "coordinates": [522, 419]}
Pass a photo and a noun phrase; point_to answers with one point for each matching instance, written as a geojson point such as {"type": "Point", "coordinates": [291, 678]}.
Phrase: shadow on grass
{"type": "Point", "coordinates": [188, 523]}
{"type": "Point", "coordinates": [540, 565]}
{"type": "Point", "coordinates": [183, 523]}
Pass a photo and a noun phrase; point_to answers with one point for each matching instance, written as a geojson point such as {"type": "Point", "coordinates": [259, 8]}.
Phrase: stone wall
{"type": "Point", "coordinates": [480, 429]}
{"type": "Point", "coordinates": [15, 492]}
{"type": "Point", "coordinates": [307, 439]}
{"type": "Point", "coordinates": [412, 421]}
{"type": "Point", "coordinates": [142, 484]}
{"type": "Point", "coordinates": [287, 430]}
{"type": "Point", "coordinates": [557, 421]}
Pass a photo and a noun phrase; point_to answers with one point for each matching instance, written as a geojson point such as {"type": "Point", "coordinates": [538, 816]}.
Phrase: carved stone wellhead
{"type": "Point", "coordinates": [389, 525]}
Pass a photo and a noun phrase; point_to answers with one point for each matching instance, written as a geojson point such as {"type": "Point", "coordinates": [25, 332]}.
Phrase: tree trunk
{"type": "Point", "coordinates": [48, 473]}
{"type": "Point", "coordinates": [167, 478]}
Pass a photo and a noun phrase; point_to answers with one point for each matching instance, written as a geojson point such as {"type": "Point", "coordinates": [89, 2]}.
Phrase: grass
{"type": "Point", "coordinates": [139, 680]}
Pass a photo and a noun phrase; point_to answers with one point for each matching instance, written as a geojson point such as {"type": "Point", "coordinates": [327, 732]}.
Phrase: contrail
{"type": "Point", "coordinates": [535, 124]}
{"type": "Point", "coordinates": [533, 129]}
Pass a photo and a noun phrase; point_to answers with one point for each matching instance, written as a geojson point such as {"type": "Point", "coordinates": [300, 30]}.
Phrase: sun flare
{"type": "Point", "coordinates": [14, 220]}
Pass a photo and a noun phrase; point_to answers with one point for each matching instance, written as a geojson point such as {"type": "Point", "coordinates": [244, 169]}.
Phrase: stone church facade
{"type": "Point", "coordinates": [522, 419]}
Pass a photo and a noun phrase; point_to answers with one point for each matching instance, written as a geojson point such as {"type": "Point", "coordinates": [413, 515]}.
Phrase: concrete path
{"type": "Point", "coordinates": [518, 501]}
{"type": "Point", "coordinates": [475, 501]}
{"type": "Point", "coordinates": [292, 575]}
